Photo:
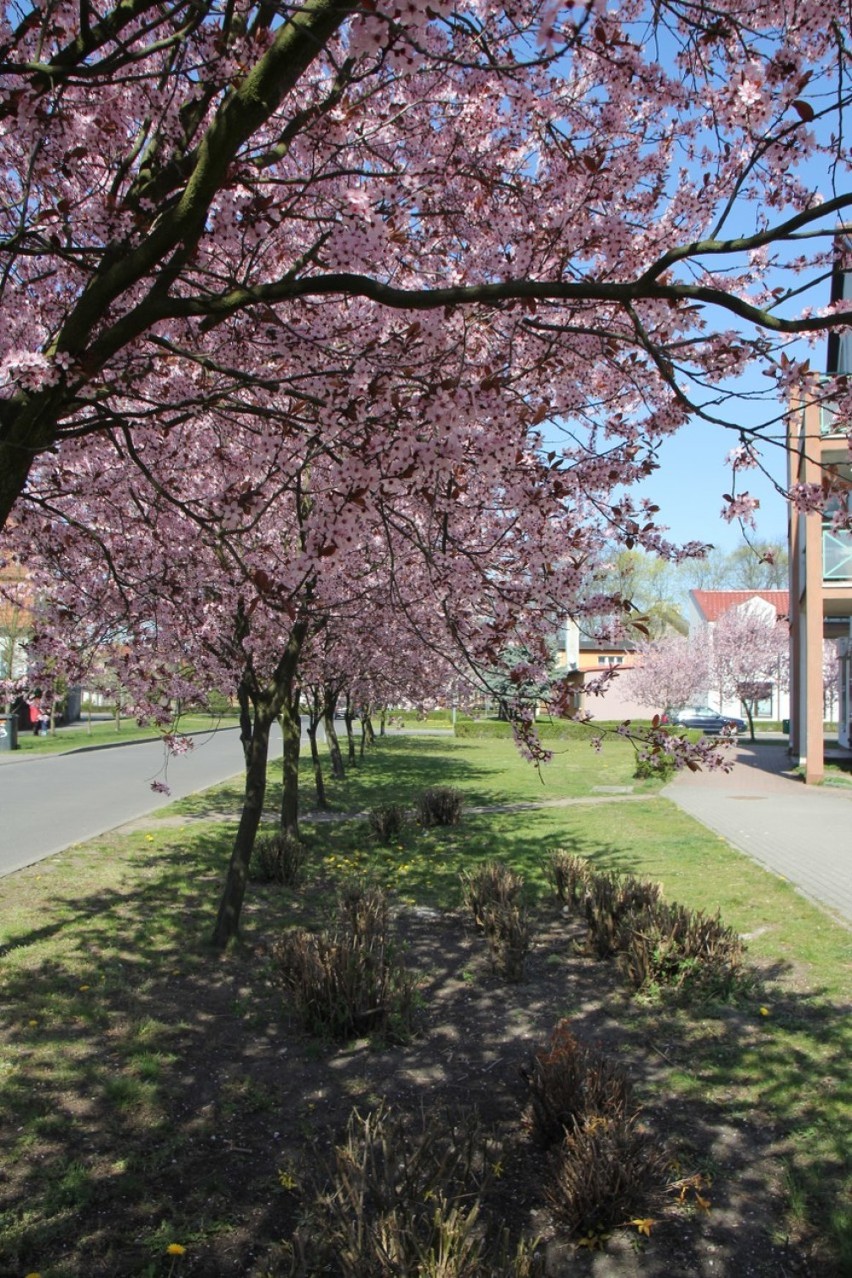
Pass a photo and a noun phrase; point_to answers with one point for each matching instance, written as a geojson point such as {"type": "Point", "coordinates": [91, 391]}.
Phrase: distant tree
{"type": "Point", "coordinates": [671, 671]}
{"type": "Point", "coordinates": [750, 656]}
{"type": "Point", "coordinates": [759, 566]}
{"type": "Point", "coordinates": [710, 573]}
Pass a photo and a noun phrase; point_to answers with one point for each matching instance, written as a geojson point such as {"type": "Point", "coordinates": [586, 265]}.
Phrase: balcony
{"type": "Point", "coordinates": [836, 555]}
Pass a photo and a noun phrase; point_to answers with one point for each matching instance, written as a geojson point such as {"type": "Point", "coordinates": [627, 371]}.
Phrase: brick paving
{"type": "Point", "coordinates": [803, 833]}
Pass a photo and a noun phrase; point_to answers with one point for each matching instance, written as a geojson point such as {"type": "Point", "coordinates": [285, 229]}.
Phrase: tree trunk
{"type": "Point", "coordinates": [291, 726]}
{"type": "Point", "coordinates": [749, 709]}
{"type": "Point", "coordinates": [266, 704]}
{"type": "Point", "coordinates": [338, 771]}
{"type": "Point", "coordinates": [231, 901]}
{"type": "Point", "coordinates": [349, 719]}
{"type": "Point", "coordinates": [368, 736]}
{"type": "Point", "coordinates": [319, 784]}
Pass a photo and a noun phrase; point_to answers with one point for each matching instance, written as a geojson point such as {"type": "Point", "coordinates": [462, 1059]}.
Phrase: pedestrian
{"type": "Point", "coordinates": [35, 717]}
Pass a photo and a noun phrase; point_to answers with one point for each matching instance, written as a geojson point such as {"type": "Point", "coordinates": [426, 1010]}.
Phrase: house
{"type": "Point", "coordinates": [587, 656]}
{"type": "Point", "coordinates": [820, 560]}
{"type": "Point", "coordinates": [820, 588]}
{"type": "Point", "coordinates": [707, 607]}
{"type": "Point", "coordinates": [15, 621]}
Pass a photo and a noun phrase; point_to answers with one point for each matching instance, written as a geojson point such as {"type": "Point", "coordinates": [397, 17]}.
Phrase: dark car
{"type": "Point", "coordinates": [708, 721]}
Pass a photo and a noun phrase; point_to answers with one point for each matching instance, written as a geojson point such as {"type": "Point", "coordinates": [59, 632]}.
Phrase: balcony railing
{"type": "Point", "coordinates": [836, 555]}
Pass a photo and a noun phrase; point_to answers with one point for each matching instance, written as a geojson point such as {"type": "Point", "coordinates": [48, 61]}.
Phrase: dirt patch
{"type": "Point", "coordinates": [221, 1155]}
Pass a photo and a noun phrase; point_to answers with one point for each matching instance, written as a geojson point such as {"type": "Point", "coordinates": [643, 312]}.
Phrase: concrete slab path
{"type": "Point", "coordinates": [803, 833]}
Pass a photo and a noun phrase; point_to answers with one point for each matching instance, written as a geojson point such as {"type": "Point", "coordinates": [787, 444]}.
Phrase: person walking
{"type": "Point", "coordinates": [35, 717]}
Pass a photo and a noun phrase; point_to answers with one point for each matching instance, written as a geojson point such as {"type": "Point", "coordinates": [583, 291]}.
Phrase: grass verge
{"type": "Point", "coordinates": [126, 1050]}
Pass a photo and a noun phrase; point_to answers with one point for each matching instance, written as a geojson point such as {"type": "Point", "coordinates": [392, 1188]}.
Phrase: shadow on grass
{"type": "Point", "coordinates": [157, 1092]}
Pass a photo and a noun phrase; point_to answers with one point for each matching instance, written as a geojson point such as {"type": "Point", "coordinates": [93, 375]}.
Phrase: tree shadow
{"type": "Point", "coordinates": [159, 1092]}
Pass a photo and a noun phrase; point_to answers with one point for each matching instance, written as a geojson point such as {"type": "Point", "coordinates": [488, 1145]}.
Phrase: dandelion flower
{"type": "Point", "coordinates": [764, 1011]}
{"type": "Point", "coordinates": [83, 987]}
{"type": "Point", "coordinates": [175, 1249]}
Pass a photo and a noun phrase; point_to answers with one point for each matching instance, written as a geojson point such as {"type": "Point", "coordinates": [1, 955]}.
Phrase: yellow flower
{"type": "Point", "coordinates": [643, 1225]}
{"type": "Point", "coordinates": [83, 987]}
{"type": "Point", "coordinates": [33, 1022]}
{"type": "Point", "coordinates": [33, 1275]}
{"type": "Point", "coordinates": [175, 1249]}
{"type": "Point", "coordinates": [764, 1011]}
{"type": "Point", "coordinates": [149, 838]}
{"type": "Point", "coordinates": [286, 1179]}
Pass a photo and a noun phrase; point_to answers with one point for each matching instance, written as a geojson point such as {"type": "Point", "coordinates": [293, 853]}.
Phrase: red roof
{"type": "Point", "coordinates": [713, 603]}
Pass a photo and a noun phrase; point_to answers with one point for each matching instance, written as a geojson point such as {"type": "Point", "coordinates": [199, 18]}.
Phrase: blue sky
{"type": "Point", "coordinates": [689, 485]}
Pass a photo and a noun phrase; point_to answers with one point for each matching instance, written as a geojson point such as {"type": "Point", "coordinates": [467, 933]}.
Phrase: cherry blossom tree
{"type": "Point", "coordinates": [580, 215]}
{"type": "Point", "coordinates": [195, 581]}
{"type": "Point", "coordinates": [750, 655]}
{"type": "Point", "coordinates": [672, 671]}
{"type": "Point", "coordinates": [302, 303]}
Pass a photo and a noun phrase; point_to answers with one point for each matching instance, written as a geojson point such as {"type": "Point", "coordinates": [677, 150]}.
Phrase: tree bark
{"type": "Point", "coordinates": [349, 719]}
{"type": "Point", "coordinates": [259, 708]}
{"type": "Point", "coordinates": [291, 727]}
{"type": "Point", "coordinates": [338, 771]}
{"type": "Point", "coordinates": [233, 892]}
{"type": "Point", "coordinates": [319, 783]}
{"type": "Point", "coordinates": [368, 736]}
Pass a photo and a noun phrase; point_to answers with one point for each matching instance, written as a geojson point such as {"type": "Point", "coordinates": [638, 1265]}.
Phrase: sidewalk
{"type": "Point", "coordinates": [803, 833]}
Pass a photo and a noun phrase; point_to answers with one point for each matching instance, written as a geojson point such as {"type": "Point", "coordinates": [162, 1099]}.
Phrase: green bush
{"type": "Point", "coordinates": [659, 765]}
{"type": "Point", "coordinates": [346, 981]}
{"type": "Point", "coordinates": [547, 729]}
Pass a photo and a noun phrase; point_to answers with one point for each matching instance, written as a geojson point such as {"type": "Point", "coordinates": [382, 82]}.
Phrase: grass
{"type": "Point", "coordinates": [105, 976]}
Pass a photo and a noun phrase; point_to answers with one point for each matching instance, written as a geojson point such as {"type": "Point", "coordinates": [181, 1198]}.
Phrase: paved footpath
{"type": "Point", "coordinates": [803, 833]}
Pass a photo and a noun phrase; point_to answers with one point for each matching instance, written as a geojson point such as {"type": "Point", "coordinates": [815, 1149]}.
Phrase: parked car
{"type": "Point", "coordinates": [709, 721]}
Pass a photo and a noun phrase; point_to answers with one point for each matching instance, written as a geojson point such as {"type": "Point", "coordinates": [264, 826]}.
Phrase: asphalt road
{"type": "Point", "coordinates": [49, 802]}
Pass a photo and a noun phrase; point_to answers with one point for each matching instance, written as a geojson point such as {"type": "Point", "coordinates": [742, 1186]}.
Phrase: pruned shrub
{"type": "Point", "coordinates": [492, 892]}
{"type": "Point", "coordinates": [508, 932]}
{"type": "Point", "coordinates": [658, 946]}
{"type": "Point", "coordinates": [607, 899]}
{"type": "Point", "coordinates": [347, 981]}
{"type": "Point", "coordinates": [407, 1203]}
{"type": "Point", "coordinates": [567, 875]}
{"type": "Point", "coordinates": [278, 858]}
{"type": "Point", "coordinates": [439, 805]}
{"type": "Point", "coordinates": [671, 947]}
{"type": "Point", "coordinates": [387, 822]}
{"type": "Point", "coordinates": [571, 1082]}
{"type": "Point", "coordinates": [607, 1170]}
{"type": "Point", "coordinates": [493, 883]}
